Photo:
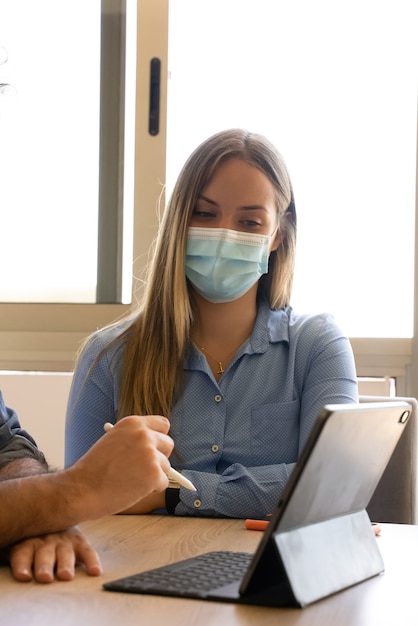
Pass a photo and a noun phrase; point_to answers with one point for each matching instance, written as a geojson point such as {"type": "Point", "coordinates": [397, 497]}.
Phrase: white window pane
{"type": "Point", "coordinates": [49, 150]}
{"type": "Point", "coordinates": [333, 85]}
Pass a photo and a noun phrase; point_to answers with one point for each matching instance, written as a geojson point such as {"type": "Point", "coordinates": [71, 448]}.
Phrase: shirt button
{"type": "Point", "coordinates": [215, 448]}
{"type": "Point", "coordinates": [197, 503]}
{"type": "Point", "coordinates": [218, 398]}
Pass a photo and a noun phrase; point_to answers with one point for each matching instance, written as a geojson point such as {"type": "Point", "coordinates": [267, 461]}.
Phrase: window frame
{"type": "Point", "coordinates": [47, 336]}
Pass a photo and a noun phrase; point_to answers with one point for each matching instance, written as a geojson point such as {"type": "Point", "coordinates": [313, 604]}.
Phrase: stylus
{"type": "Point", "coordinates": [172, 473]}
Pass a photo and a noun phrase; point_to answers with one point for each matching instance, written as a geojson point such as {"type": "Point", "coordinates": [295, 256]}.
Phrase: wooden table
{"type": "Point", "coordinates": [128, 544]}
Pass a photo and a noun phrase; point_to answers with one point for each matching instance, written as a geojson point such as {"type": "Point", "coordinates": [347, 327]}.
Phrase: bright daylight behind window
{"type": "Point", "coordinates": [334, 86]}
{"type": "Point", "coordinates": [49, 128]}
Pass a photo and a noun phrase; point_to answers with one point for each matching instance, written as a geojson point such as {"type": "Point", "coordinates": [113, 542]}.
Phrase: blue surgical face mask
{"type": "Point", "coordinates": [224, 264]}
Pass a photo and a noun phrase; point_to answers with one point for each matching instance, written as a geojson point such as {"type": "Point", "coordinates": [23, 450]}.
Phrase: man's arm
{"type": "Point", "coordinates": [125, 465]}
{"type": "Point", "coordinates": [25, 466]}
{"type": "Point", "coordinates": [47, 556]}
{"type": "Point", "coordinates": [51, 555]}
{"type": "Point", "coordinates": [34, 504]}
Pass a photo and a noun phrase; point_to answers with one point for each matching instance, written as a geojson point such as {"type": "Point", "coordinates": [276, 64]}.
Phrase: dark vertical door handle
{"type": "Point", "coordinates": [154, 97]}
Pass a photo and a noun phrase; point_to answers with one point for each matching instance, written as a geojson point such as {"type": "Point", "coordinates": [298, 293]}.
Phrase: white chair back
{"type": "Point", "coordinates": [395, 498]}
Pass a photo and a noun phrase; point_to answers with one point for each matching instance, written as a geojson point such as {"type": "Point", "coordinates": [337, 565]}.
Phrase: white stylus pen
{"type": "Point", "coordinates": [172, 473]}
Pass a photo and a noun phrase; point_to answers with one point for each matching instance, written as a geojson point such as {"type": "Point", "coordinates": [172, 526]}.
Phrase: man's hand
{"type": "Point", "coordinates": [52, 555]}
{"type": "Point", "coordinates": [125, 465]}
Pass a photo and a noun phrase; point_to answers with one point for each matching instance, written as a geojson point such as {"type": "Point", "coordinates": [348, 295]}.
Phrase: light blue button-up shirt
{"type": "Point", "coordinates": [238, 439]}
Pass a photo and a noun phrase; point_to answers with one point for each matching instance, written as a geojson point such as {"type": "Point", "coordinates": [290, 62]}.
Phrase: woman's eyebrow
{"type": "Point", "coordinates": [253, 207]}
{"type": "Point", "coordinates": [208, 200]}
{"type": "Point", "coordinates": [250, 207]}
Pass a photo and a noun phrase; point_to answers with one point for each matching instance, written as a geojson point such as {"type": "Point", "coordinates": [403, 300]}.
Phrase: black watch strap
{"type": "Point", "coordinates": [172, 498]}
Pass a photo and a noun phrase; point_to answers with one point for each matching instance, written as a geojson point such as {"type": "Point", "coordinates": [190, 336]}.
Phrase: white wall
{"type": "Point", "coordinates": [40, 400]}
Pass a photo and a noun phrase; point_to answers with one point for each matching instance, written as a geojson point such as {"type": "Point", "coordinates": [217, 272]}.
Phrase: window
{"type": "Point", "coordinates": [61, 155]}
{"type": "Point", "coordinates": [46, 334]}
{"type": "Point", "coordinates": [333, 85]}
{"type": "Point", "coordinates": [295, 71]}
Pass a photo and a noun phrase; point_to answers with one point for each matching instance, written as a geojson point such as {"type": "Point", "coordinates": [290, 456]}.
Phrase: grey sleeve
{"type": "Point", "coordinates": [15, 442]}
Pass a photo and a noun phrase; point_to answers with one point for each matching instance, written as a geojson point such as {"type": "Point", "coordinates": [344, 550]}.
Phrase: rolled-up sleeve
{"type": "Point", "coordinates": [15, 442]}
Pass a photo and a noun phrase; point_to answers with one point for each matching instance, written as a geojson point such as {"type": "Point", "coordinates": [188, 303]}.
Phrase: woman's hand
{"type": "Point", "coordinates": [54, 555]}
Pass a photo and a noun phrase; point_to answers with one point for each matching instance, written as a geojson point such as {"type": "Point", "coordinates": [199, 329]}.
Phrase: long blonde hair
{"type": "Point", "coordinates": [158, 336]}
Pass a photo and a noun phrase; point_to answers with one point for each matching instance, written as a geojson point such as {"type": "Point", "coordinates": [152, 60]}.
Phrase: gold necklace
{"type": "Point", "coordinates": [220, 363]}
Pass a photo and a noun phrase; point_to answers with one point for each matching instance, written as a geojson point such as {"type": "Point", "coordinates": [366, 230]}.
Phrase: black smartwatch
{"type": "Point", "coordinates": [172, 496]}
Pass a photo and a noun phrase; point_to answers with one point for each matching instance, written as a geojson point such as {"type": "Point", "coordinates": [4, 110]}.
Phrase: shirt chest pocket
{"type": "Point", "coordinates": [275, 432]}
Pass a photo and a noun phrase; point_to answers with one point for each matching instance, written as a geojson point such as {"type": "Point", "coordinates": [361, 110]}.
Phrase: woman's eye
{"type": "Point", "coordinates": [251, 223]}
{"type": "Point", "coordinates": [203, 214]}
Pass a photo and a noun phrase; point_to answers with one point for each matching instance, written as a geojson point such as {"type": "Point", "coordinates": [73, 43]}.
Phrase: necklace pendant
{"type": "Point", "coordinates": [221, 369]}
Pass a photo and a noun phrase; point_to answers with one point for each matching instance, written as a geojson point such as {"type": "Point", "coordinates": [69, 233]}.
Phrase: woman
{"type": "Point", "coordinates": [215, 346]}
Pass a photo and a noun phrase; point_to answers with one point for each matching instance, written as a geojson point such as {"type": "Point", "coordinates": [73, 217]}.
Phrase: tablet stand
{"type": "Point", "coordinates": [314, 561]}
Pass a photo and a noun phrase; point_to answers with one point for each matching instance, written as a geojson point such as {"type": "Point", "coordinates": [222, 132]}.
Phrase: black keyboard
{"type": "Point", "coordinates": [191, 577]}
